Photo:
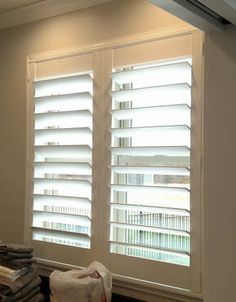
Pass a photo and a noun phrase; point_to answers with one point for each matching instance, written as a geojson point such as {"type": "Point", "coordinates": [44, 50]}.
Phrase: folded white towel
{"type": "Point", "coordinates": [92, 284]}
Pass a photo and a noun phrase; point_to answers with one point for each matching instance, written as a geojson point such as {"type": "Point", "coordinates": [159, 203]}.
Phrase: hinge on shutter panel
{"type": "Point", "coordinates": [197, 281]}
{"type": "Point", "coordinates": [201, 281]}
{"type": "Point", "coordinates": [201, 163]}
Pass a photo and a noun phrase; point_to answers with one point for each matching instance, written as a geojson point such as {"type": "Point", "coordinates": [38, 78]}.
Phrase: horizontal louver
{"type": "Point", "coordinates": [63, 160]}
{"type": "Point", "coordinates": [150, 162]}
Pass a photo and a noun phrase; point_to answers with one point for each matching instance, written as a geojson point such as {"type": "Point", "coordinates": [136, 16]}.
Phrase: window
{"type": "Point", "coordinates": [63, 160]}
{"type": "Point", "coordinates": [114, 174]}
{"type": "Point", "coordinates": [150, 183]}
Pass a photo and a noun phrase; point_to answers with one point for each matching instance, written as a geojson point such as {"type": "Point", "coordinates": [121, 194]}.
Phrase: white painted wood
{"type": "Point", "coordinates": [102, 63]}
{"type": "Point", "coordinates": [46, 250]}
{"type": "Point", "coordinates": [158, 50]}
{"type": "Point", "coordinates": [29, 151]}
{"type": "Point", "coordinates": [140, 289]}
{"type": "Point", "coordinates": [168, 32]}
{"type": "Point", "coordinates": [139, 53]}
{"type": "Point", "coordinates": [197, 161]}
{"type": "Point", "coordinates": [69, 65]}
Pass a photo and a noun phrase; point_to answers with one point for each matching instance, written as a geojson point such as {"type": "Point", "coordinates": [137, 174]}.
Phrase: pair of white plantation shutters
{"type": "Point", "coordinates": [147, 146]}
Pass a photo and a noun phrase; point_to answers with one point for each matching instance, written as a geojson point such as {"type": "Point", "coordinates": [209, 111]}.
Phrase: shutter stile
{"type": "Point", "coordinates": [150, 162]}
{"type": "Point", "coordinates": [63, 160]}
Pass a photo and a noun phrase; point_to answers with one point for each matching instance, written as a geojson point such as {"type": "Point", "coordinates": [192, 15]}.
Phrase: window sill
{"type": "Point", "coordinates": [129, 287]}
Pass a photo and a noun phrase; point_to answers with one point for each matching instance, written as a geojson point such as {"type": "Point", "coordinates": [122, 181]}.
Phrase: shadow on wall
{"type": "Point", "coordinates": [225, 40]}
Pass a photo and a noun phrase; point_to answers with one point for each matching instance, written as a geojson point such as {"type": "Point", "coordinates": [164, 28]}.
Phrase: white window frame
{"type": "Point", "coordinates": [102, 55]}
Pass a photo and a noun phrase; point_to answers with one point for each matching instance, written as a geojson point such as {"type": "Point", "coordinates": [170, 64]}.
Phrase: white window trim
{"type": "Point", "coordinates": [123, 284]}
{"type": "Point", "coordinates": [130, 287]}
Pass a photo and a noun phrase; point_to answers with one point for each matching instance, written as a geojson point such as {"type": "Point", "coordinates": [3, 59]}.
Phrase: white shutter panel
{"type": "Point", "coordinates": [63, 160]}
{"type": "Point", "coordinates": [150, 166]}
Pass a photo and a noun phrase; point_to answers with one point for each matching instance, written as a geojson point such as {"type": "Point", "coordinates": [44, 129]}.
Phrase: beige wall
{"type": "Point", "coordinates": [92, 25]}
{"type": "Point", "coordinates": [220, 166]}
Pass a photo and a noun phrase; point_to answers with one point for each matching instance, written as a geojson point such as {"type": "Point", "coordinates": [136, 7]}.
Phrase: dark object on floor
{"type": "Point", "coordinates": [119, 298]}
